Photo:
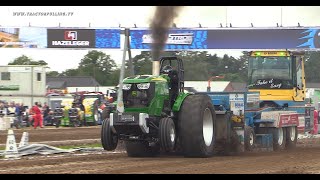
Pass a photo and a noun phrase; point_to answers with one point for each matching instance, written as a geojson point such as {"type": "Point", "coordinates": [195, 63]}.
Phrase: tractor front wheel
{"type": "Point", "coordinates": [167, 134]}
{"type": "Point", "coordinates": [109, 139]}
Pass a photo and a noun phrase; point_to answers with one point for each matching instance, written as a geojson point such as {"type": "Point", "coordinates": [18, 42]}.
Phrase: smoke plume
{"type": "Point", "coordinates": [161, 22]}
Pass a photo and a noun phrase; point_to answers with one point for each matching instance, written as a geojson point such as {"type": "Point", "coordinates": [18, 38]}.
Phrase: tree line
{"type": "Point", "coordinates": [198, 66]}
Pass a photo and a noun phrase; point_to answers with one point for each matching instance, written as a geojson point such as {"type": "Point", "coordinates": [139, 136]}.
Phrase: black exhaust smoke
{"type": "Point", "coordinates": [161, 22]}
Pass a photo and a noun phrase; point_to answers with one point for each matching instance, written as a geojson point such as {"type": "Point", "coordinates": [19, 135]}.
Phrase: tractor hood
{"type": "Point", "coordinates": [143, 79]}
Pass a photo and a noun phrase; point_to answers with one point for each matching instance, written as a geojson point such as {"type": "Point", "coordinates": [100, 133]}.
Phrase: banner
{"type": "Point", "coordinates": [24, 37]}
{"type": "Point", "coordinates": [177, 39]}
{"type": "Point", "coordinates": [263, 39]}
{"type": "Point", "coordinates": [232, 38]}
{"type": "Point", "coordinates": [84, 38]}
{"type": "Point", "coordinates": [71, 38]}
{"type": "Point", "coordinates": [108, 38]}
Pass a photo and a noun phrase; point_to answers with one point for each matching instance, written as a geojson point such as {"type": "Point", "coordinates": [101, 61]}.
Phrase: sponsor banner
{"type": "Point", "coordinates": [177, 39]}
{"type": "Point", "coordinates": [262, 39]}
{"type": "Point", "coordinates": [108, 38]}
{"type": "Point", "coordinates": [232, 38]}
{"type": "Point", "coordinates": [84, 38]}
{"type": "Point", "coordinates": [71, 38]}
{"type": "Point", "coordinates": [24, 37]}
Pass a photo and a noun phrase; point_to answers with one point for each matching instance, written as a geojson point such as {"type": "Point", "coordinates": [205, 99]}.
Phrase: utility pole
{"type": "Point", "coordinates": [130, 63]}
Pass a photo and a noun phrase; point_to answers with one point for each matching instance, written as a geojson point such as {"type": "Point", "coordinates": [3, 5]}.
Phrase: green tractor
{"type": "Point", "coordinates": [159, 116]}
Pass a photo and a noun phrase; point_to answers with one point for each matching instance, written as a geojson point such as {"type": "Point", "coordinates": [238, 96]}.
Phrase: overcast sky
{"type": "Point", "coordinates": [127, 16]}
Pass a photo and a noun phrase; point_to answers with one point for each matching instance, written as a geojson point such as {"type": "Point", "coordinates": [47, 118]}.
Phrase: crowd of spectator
{"type": "Point", "coordinates": [37, 113]}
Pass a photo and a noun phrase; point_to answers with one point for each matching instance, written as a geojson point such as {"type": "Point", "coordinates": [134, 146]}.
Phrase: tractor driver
{"type": "Point", "coordinates": [174, 82]}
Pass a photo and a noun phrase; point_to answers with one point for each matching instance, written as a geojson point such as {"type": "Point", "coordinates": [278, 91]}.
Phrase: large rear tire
{"type": "Point", "coordinates": [196, 126]}
{"type": "Point", "coordinates": [291, 137]}
{"type": "Point", "coordinates": [167, 134]}
{"type": "Point", "coordinates": [141, 149]}
{"type": "Point", "coordinates": [279, 138]}
{"type": "Point", "coordinates": [109, 140]}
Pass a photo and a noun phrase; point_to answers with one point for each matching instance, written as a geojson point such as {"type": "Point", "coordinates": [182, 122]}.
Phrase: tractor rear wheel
{"type": "Point", "coordinates": [109, 139]}
{"type": "Point", "coordinates": [141, 149]}
{"type": "Point", "coordinates": [196, 126]}
{"type": "Point", "coordinates": [167, 134]}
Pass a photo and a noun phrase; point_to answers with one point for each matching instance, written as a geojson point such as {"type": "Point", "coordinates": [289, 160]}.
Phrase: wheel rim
{"type": "Point", "coordinates": [96, 116]}
{"type": "Point", "coordinates": [251, 139]}
{"type": "Point", "coordinates": [207, 129]}
{"type": "Point", "coordinates": [280, 135]}
{"type": "Point", "coordinates": [292, 133]}
{"type": "Point", "coordinates": [172, 135]}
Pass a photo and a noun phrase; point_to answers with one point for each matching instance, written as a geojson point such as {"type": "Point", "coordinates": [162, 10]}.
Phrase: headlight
{"type": "Point", "coordinates": [126, 86]}
{"type": "Point", "coordinates": [143, 86]}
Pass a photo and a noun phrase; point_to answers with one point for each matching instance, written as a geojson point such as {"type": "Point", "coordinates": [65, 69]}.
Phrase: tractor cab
{"type": "Point", "coordinates": [171, 68]}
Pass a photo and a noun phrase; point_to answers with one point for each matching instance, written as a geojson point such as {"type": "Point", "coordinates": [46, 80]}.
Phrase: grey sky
{"type": "Point", "coordinates": [112, 16]}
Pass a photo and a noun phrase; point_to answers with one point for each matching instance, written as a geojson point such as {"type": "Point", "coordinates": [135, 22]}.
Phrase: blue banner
{"type": "Point", "coordinates": [108, 38]}
{"type": "Point", "coordinates": [231, 38]}
{"type": "Point", "coordinates": [177, 39]}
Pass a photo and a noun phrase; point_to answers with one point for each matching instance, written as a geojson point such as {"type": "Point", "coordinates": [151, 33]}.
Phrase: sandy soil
{"type": "Point", "coordinates": [304, 159]}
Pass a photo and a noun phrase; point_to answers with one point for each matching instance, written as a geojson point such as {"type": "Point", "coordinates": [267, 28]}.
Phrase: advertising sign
{"type": "Point", "coordinates": [231, 38]}
{"type": "Point", "coordinates": [177, 39]}
{"type": "Point", "coordinates": [24, 37]}
{"type": "Point", "coordinates": [71, 38]}
{"type": "Point", "coordinates": [84, 38]}
{"type": "Point", "coordinates": [108, 38]}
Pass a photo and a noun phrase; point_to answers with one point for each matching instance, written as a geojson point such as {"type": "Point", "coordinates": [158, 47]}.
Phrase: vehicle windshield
{"type": "Point", "coordinates": [270, 73]}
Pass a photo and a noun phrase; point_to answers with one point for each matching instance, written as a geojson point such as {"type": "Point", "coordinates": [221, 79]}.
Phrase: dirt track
{"type": "Point", "coordinates": [305, 159]}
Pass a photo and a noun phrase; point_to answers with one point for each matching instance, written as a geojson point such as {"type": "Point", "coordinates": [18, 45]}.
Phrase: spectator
{"type": "Point", "coordinates": [3, 109]}
{"type": "Point", "coordinates": [37, 116]}
{"type": "Point", "coordinates": [45, 111]}
{"type": "Point", "coordinates": [18, 112]}
{"type": "Point", "coordinates": [23, 112]}
{"type": "Point", "coordinates": [12, 109]}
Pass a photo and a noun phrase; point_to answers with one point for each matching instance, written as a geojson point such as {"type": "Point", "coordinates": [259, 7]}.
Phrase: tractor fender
{"type": "Point", "coordinates": [177, 104]}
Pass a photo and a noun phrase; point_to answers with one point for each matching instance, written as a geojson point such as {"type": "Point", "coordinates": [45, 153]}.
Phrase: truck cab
{"type": "Point", "coordinates": [278, 76]}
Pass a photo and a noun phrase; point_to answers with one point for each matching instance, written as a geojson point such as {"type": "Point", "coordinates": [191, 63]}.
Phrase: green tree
{"type": "Point", "coordinates": [312, 66]}
{"type": "Point", "coordinates": [142, 63]}
{"type": "Point", "coordinates": [52, 73]}
{"type": "Point", "coordinates": [25, 60]}
{"type": "Point", "coordinates": [98, 65]}
{"type": "Point", "coordinates": [70, 72]}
